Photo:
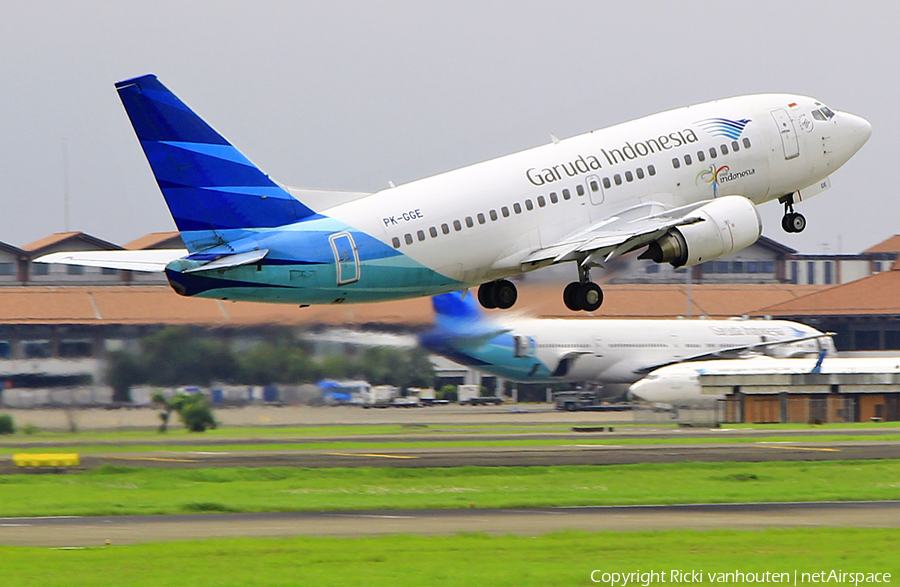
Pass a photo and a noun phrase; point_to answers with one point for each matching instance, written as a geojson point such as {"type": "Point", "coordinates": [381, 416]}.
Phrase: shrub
{"type": "Point", "coordinates": [7, 426]}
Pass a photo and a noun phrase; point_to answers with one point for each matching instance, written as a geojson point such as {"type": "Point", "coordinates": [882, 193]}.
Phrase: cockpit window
{"type": "Point", "coordinates": [827, 112]}
{"type": "Point", "coordinates": [817, 114]}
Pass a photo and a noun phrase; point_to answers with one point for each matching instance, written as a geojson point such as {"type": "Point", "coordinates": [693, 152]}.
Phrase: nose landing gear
{"type": "Point", "coordinates": [791, 221]}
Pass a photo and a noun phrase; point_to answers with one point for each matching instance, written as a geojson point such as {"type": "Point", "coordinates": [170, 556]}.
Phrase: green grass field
{"type": "Point", "coordinates": [562, 559]}
{"type": "Point", "coordinates": [119, 491]}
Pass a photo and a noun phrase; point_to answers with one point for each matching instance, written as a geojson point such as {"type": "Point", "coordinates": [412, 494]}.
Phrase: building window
{"type": "Point", "coordinates": [752, 267]}
{"type": "Point", "coordinates": [40, 269]}
{"type": "Point", "coordinates": [652, 268]}
{"type": "Point", "coordinates": [74, 270]}
{"type": "Point", "coordinates": [811, 272]}
{"type": "Point", "coordinates": [7, 268]}
{"type": "Point", "coordinates": [36, 349]}
{"type": "Point", "coordinates": [767, 267]}
{"type": "Point", "coordinates": [795, 272]}
{"type": "Point", "coordinates": [737, 267]}
{"type": "Point", "coordinates": [828, 277]}
{"type": "Point", "coordinates": [5, 349]}
{"type": "Point", "coordinates": [108, 271]}
{"type": "Point", "coordinates": [75, 349]}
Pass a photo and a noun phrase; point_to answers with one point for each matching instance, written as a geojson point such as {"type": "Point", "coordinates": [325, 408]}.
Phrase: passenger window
{"type": "Point", "coordinates": [618, 179]}
{"type": "Point", "coordinates": [553, 198]}
{"type": "Point", "coordinates": [517, 208]}
{"type": "Point", "coordinates": [396, 242]}
{"type": "Point", "coordinates": [724, 149]}
{"type": "Point", "coordinates": [457, 226]}
{"type": "Point", "coordinates": [629, 176]}
{"type": "Point", "coordinates": [746, 142]}
{"type": "Point", "coordinates": [505, 211]}
{"type": "Point", "coordinates": [651, 170]}
{"type": "Point", "coordinates": [421, 235]}
{"type": "Point", "coordinates": [408, 238]}
{"type": "Point", "coordinates": [606, 183]}
{"type": "Point", "coordinates": [541, 201]}
{"type": "Point", "coordinates": [735, 147]}
{"type": "Point", "coordinates": [445, 229]}
{"type": "Point", "coordinates": [481, 219]}
{"type": "Point", "coordinates": [493, 214]}
{"type": "Point", "coordinates": [676, 163]}
{"type": "Point", "coordinates": [469, 222]}
{"type": "Point", "coordinates": [687, 159]}
{"type": "Point", "coordinates": [567, 195]}
{"type": "Point", "coordinates": [701, 156]}
{"type": "Point", "coordinates": [640, 172]}
{"type": "Point", "coordinates": [595, 187]}
{"type": "Point", "coordinates": [579, 189]}
{"type": "Point", "coordinates": [529, 205]}
{"type": "Point", "coordinates": [713, 153]}
{"type": "Point", "coordinates": [433, 232]}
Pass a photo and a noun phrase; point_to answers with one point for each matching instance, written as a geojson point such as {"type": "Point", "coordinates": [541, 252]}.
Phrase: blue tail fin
{"type": "Point", "coordinates": [208, 185]}
{"type": "Point", "coordinates": [451, 310]}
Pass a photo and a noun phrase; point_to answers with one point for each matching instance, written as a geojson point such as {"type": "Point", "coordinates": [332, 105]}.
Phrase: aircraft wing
{"type": "Point", "coordinates": [735, 352]}
{"type": "Point", "coordinates": [150, 260]}
{"type": "Point", "coordinates": [615, 236]}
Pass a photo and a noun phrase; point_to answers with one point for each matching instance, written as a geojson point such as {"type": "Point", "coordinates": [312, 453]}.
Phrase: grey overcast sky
{"type": "Point", "coordinates": [352, 95]}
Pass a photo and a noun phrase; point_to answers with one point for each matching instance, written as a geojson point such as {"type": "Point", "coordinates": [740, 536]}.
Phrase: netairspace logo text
{"type": "Point", "coordinates": [647, 578]}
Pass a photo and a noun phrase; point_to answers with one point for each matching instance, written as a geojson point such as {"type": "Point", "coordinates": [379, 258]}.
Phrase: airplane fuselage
{"type": "Point", "coordinates": [616, 351]}
{"type": "Point", "coordinates": [481, 222]}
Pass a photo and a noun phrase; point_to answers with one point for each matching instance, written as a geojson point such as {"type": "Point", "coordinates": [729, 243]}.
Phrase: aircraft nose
{"type": "Point", "coordinates": [858, 129]}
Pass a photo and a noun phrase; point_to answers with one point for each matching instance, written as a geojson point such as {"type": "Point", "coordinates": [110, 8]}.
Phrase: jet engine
{"type": "Point", "coordinates": [719, 228]}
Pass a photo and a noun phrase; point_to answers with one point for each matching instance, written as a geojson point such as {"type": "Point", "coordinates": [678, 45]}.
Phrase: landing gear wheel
{"type": "Point", "coordinates": [486, 295]}
{"type": "Point", "coordinates": [497, 294]}
{"type": "Point", "coordinates": [786, 223]}
{"type": "Point", "coordinates": [590, 296]}
{"type": "Point", "coordinates": [570, 296]}
{"type": "Point", "coordinates": [583, 296]}
{"type": "Point", "coordinates": [504, 294]}
{"type": "Point", "coordinates": [798, 222]}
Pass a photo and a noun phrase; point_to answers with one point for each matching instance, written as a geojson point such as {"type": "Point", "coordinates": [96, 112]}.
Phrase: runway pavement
{"type": "Point", "coordinates": [95, 531]}
{"type": "Point", "coordinates": [573, 454]}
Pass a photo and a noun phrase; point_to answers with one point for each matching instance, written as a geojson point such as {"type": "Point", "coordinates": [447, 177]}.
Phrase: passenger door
{"type": "Point", "coordinates": [788, 133]}
{"type": "Point", "coordinates": [346, 257]}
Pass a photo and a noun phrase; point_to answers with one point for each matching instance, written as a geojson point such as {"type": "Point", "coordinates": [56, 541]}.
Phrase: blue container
{"type": "Point", "coordinates": [270, 393]}
{"type": "Point", "coordinates": [217, 396]}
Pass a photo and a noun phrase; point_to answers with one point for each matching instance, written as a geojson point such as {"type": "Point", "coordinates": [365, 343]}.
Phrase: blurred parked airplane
{"type": "Point", "coordinates": [680, 384]}
{"type": "Point", "coordinates": [601, 350]}
{"type": "Point", "coordinates": [683, 183]}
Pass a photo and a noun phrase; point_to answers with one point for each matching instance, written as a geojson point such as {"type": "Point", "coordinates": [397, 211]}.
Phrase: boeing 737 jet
{"type": "Point", "coordinates": [544, 350]}
{"type": "Point", "coordinates": [683, 185]}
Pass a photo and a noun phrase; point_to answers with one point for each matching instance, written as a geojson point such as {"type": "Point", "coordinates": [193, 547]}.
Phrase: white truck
{"type": "Point", "coordinates": [471, 395]}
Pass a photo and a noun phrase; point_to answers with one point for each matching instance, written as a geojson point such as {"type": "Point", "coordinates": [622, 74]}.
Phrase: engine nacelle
{"type": "Point", "coordinates": [728, 224]}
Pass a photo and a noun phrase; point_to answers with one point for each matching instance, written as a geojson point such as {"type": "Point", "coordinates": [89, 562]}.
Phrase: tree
{"type": "Point", "coordinates": [193, 409]}
{"type": "Point", "coordinates": [124, 371]}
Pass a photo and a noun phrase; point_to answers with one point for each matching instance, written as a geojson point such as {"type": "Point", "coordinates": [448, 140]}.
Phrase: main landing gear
{"type": "Point", "coordinates": [583, 294]}
{"type": "Point", "coordinates": [497, 294]}
{"type": "Point", "coordinates": [791, 221]}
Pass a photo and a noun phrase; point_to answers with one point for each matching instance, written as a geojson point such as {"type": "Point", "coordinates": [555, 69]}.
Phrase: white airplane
{"type": "Point", "coordinates": [601, 350]}
{"type": "Point", "coordinates": [680, 384]}
{"type": "Point", "coordinates": [683, 183]}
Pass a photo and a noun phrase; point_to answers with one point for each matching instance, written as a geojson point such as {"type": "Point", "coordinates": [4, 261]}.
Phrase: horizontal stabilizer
{"type": "Point", "coordinates": [151, 261]}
